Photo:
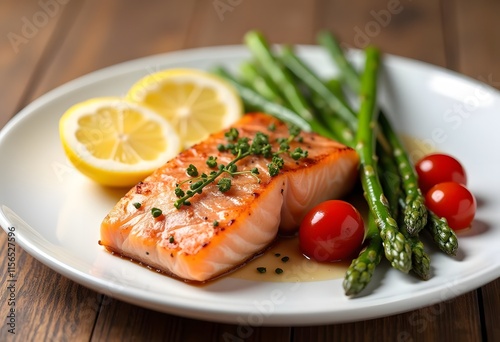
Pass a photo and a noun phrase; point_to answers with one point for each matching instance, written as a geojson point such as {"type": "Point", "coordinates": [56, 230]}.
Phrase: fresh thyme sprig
{"type": "Point", "coordinates": [240, 147]}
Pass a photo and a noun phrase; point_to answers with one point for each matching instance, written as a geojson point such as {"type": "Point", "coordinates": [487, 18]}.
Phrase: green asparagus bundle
{"type": "Point", "coordinates": [391, 183]}
{"type": "Point", "coordinates": [397, 249]}
{"type": "Point", "coordinates": [281, 84]}
{"type": "Point", "coordinates": [416, 214]}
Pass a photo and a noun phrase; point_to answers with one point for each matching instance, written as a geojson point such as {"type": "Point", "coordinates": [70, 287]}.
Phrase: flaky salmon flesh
{"type": "Point", "coordinates": [220, 231]}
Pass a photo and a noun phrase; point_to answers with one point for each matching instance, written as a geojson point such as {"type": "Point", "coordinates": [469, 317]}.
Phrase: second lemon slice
{"type": "Point", "coordinates": [195, 102]}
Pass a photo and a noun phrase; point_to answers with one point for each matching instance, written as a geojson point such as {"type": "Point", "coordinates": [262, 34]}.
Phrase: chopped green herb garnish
{"type": "Point", "coordinates": [277, 255]}
{"type": "Point", "coordinates": [137, 205]}
{"type": "Point", "coordinates": [156, 212]}
{"type": "Point", "coordinates": [278, 271]}
{"type": "Point", "coordinates": [285, 259]}
{"type": "Point", "coordinates": [261, 269]}
{"type": "Point", "coordinates": [221, 147]}
{"type": "Point", "coordinates": [273, 169]}
{"type": "Point", "coordinates": [232, 134]}
{"type": "Point", "coordinates": [224, 184]}
{"type": "Point", "coordinates": [216, 223]}
{"type": "Point", "coordinates": [171, 239]}
{"type": "Point", "coordinates": [212, 162]}
{"type": "Point", "coordinates": [240, 147]}
{"type": "Point", "coordinates": [192, 170]}
{"type": "Point", "coordinates": [298, 153]}
{"type": "Point", "coordinates": [179, 192]}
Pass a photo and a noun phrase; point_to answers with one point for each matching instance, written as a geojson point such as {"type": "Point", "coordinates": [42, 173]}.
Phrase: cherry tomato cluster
{"type": "Point", "coordinates": [443, 181]}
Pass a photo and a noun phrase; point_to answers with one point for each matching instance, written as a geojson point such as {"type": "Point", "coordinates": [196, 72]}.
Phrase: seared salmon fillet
{"type": "Point", "coordinates": [219, 231]}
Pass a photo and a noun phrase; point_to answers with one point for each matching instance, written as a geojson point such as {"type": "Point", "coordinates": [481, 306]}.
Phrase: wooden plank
{"type": "Point", "coordinates": [120, 321]}
{"type": "Point", "coordinates": [491, 307]}
{"type": "Point", "coordinates": [478, 39]}
{"type": "Point", "coordinates": [46, 306]}
{"type": "Point", "coordinates": [110, 32]}
{"type": "Point", "coordinates": [406, 28]}
{"type": "Point", "coordinates": [455, 320]}
{"type": "Point", "coordinates": [26, 28]}
{"type": "Point", "coordinates": [476, 44]}
{"type": "Point", "coordinates": [42, 311]}
{"type": "Point", "coordinates": [281, 21]}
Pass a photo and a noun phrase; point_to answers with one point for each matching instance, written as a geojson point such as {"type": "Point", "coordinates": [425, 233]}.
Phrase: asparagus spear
{"type": "Point", "coordinates": [397, 250]}
{"type": "Point", "coordinates": [442, 234]}
{"type": "Point", "coordinates": [360, 272]}
{"type": "Point", "coordinates": [254, 79]}
{"type": "Point", "coordinates": [391, 183]}
{"type": "Point", "coordinates": [257, 102]}
{"type": "Point", "coordinates": [421, 261]}
{"type": "Point", "coordinates": [415, 211]}
{"type": "Point", "coordinates": [336, 104]}
{"type": "Point", "coordinates": [349, 74]}
{"type": "Point", "coordinates": [280, 76]}
{"type": "Point", "coordinates": [338, 127]}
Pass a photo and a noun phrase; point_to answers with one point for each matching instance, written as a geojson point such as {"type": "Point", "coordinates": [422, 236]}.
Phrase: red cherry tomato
{"type": "Point", "coordinates": [439, 168]}
{"type": "Point", "coordinates": [454, 202]}
{"type": "Point", "coordinates": [333, 230]}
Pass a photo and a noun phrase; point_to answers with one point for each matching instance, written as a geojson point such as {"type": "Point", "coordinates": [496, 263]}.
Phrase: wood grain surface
{"type": "Point", "coordinates": [49, 42]}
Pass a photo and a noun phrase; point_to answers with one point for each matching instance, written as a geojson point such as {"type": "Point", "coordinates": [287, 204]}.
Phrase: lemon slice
{"type": "Point", "coordinates": [116, 142]}
{"type": "Point", "coordinates": [195, 102]}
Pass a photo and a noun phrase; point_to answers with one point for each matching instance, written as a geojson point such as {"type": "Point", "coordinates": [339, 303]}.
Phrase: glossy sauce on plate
{"type": "Point", "coordinates": [285, 255]}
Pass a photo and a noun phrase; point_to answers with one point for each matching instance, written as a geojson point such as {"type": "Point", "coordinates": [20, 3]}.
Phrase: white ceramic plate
{"type": "Point", "coordinates": [56, 212]}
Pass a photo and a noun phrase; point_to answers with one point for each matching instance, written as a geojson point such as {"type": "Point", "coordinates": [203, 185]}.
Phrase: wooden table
{"type": "Point", "coordinates": [49, 42]}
